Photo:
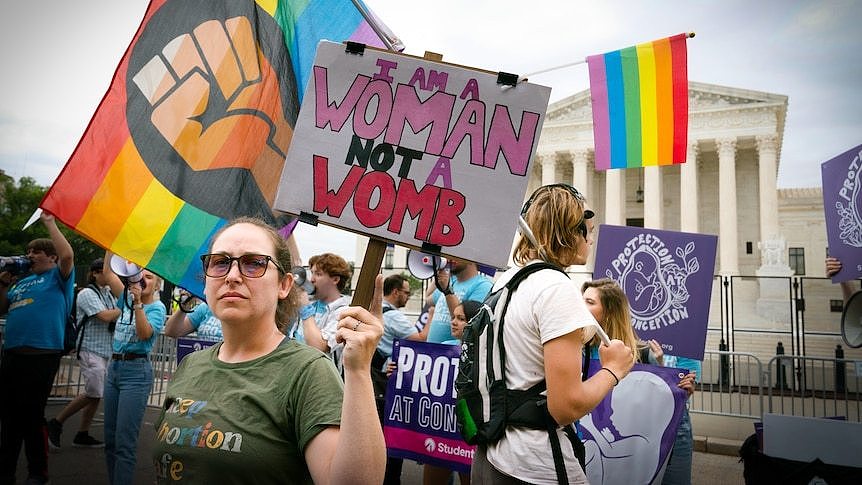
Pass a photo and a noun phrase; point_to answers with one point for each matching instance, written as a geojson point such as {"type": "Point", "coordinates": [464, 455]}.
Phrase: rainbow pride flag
{"type": "Point", "coordinates": [195, 126]}
{"type": "Point", "coordinates": [640, 104]}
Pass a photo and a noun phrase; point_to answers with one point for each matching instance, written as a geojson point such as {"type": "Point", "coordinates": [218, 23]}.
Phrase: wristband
{"type": "Point", "coordinates": [617, 379]}
{"type": "Point", "coordinates": [139, 306]}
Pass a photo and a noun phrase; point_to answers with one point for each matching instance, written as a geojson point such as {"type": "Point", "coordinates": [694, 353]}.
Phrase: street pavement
{"type": "Point", "coordinates": [79, 466]}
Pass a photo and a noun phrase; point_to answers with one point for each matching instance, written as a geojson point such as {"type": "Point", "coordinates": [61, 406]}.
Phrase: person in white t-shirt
{"type": "Point", "coordinates": [547, 323]}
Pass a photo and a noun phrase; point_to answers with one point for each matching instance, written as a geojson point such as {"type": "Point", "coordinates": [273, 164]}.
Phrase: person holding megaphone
{"type": "Point", "coordinates": [130, 374]}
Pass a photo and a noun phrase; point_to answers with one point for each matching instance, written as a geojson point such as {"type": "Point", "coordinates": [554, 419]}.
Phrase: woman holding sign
{"type": "Point", "coordinates": [546, 325]}
{"type": "Point", "coordinates": [259, 406]}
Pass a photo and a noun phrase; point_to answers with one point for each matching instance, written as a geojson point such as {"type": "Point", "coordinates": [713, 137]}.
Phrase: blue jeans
{"type": "Point", "coordinates": [127, 388]}
{"type": "Point", "coordinates": [678, 471]}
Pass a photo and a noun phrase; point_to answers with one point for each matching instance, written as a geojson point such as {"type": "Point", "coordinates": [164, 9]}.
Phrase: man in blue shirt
{"type": "Point", "coordinates": [38, 306]}
{"type": "Point", "coordinates": [467, 284]}
{"type": "Point", "coordinates": [396, 294]}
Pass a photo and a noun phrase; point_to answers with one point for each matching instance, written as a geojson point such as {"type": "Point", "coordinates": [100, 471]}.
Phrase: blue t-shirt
{"type": "Point", "coordinates": [206, 325]}
{"type": "Point", "coordinates": [126, 339]}
{"type": "Point", "coordinates": [39, 305]}
{"type": "Point", "coordinates": [395, 326]}
{"type": "Point", "coordinates": [476, 288]}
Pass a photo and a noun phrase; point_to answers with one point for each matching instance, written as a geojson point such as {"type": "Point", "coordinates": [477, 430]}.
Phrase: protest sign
{"type": "Point", "coordinates": [419, 421]}
{"type": "Point", "coordinates": [667, 278]}
{"type": "Point", "coordinates": [413, 151]}
{"type": "Point", "coordinates": [842, 205]}
{"type": "Point", "coordinates": [187, 345]}
{"type": "Point", "coordinates": [630, 433]}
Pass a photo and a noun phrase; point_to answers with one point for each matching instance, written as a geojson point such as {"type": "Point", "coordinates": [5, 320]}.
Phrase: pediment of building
{"type": "Point", "coordinates": [702, 97]}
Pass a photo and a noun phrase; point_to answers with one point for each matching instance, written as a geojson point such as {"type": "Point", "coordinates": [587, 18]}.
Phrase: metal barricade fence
{"type": "Point", "coordinates": [815, 387]}
{"type": "Point", "coordinates": [69, 382]}
{"type": "Point", "coordinates": [731, 384]}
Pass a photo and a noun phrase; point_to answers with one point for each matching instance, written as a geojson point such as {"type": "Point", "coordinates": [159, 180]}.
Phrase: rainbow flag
{"type": "Point", "coordinates": [195, 126]}
{"type": "Point", "coordinates": [640, 104]}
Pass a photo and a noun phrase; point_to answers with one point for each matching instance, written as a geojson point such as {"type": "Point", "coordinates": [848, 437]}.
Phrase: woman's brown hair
{"type": "Point", "coordinates": [616, 319]}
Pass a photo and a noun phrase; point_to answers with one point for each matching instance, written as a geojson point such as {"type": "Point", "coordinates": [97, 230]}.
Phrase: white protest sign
{"type": "Point", "coordinates": [413, 151]}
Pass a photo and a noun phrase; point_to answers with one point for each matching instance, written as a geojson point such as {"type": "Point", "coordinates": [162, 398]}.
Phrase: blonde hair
{"type": "Point", "coordinates": [617, 319]}
{"type": "Point", "coordinates": [555, 217]}
{"type": "Point", "coordinates": [287, 308]}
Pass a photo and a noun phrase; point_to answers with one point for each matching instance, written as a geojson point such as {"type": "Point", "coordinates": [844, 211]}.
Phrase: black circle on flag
{"type": "Point", "coordinates": [211, 104]}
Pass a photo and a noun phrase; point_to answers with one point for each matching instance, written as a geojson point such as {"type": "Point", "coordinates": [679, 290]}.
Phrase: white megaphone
{"type": "Point", "coordinates": [421, 265]}
{"type": "Point", "coordinates": [127, 269]}
{"type": "Point", "coordinates": [851, 321]}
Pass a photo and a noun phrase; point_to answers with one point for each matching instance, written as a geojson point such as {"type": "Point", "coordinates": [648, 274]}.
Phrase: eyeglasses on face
{"type": "Point", "coordinates": [250, 265]}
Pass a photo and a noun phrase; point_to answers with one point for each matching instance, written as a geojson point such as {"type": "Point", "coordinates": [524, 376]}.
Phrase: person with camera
{"type": "Point", "coordinates": [97, 313]}
{"type": "Point", "coordinates": [38, 305]}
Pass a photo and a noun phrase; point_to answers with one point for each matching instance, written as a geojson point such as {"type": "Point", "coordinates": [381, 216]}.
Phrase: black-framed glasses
{"type": "Point", "coordinates": [250, 265]}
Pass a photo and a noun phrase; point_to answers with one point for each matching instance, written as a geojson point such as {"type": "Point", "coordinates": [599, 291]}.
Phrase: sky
{"type": "Point", "coordinates": [58, 57]}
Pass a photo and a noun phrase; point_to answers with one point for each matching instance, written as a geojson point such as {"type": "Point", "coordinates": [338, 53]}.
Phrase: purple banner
{"type": "Point", "coordinates": [419, 421]}
{"type": "Point", "coordinates": [629, 435]}
{"type": "Point", "coordinates": [667, 277]}
{"type": "Point", "coordinates": [187, 345]}
{"type": "Point", "coordinates": [842, 205]}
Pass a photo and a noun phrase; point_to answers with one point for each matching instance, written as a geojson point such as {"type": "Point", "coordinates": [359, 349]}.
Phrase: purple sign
{"type": "Point", "coordinates": [629, 435]}
{"type": "Point", "coordinates": [667, 277]}
{"type": "Point", "coordinates": [187, 345]}
{"type": "Point", "coordinates": [842, 205]}
{"type": "Point", "coordinates": [419, 421]}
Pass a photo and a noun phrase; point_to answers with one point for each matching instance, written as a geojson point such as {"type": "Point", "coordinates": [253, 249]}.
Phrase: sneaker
{"type": "Point", "coordinates": [55, 429]}
{"type": "Point", "coordinates": [84, 440]}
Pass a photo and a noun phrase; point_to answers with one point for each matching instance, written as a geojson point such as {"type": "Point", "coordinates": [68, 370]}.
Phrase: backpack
{"type": "Point", "coordinates": [74, 332]}
{"type": "Point", "coordinates": [485, 407]}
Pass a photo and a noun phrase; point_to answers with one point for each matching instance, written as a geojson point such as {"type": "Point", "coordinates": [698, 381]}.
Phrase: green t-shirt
{"type": "Point", "coordinates": [248, 422]}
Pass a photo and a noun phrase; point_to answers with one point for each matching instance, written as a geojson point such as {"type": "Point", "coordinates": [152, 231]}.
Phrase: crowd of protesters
{"type": "Point", "coordinates": [293, 353]}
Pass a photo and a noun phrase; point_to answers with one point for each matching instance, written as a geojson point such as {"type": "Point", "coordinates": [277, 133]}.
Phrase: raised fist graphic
{"type": "Point", "coordinates": [214, 106]}
{"type": "Point", "coordinates": [211, 104]}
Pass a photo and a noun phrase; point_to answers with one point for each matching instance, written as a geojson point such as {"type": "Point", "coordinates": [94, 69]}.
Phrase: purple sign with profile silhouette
{"type": "Point", "coordinates": [842, 206]}
{"type": "Point", "coordinates": [629, 435]}
{"type": "Point", "coordinates": [667, 278]}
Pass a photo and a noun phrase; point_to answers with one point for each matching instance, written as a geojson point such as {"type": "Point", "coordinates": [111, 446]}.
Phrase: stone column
{"type": "Point", "coordinates": [767, 146]}
{"type": "Point", "coordinates": [653, 197]}
{"type": "Point", "coordinates": [688, 191]}
{"type": "Point", "coordinates": [774, 272]}
{"type": "Point", "coordinates": [727, 228]}
{"type": "Point", "coordinates": [549, 168]}
{"type": "Point", "coordinates": [580, 175]}
{"type": "Point", "coordinates": [615, 196]}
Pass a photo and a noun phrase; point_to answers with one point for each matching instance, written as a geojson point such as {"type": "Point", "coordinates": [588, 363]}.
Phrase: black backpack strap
{"type": "Point", "coordinates": [528, 410]}
{"type": "Point", "coordinates": [577, 446]}
{"type": "Point", "coordinates": [557, 452]}
{"type": "Point", "coordinates": [512, 285]}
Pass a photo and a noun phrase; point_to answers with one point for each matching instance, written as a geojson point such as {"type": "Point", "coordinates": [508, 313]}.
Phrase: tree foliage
{"type": "Point", "coordinates": [17, 203]}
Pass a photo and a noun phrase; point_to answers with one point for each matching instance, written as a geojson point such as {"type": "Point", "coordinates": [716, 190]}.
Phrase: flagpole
{"type": "Point", "coordinates": [583, 61]}
{"type": "Point", "coordinates": [374, 25]}
{"type": "Point", "coordinates": [576, 63]}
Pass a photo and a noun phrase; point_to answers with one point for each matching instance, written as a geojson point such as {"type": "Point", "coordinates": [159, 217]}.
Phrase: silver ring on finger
{"type": "Point", "coordinates": [356, 326]}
